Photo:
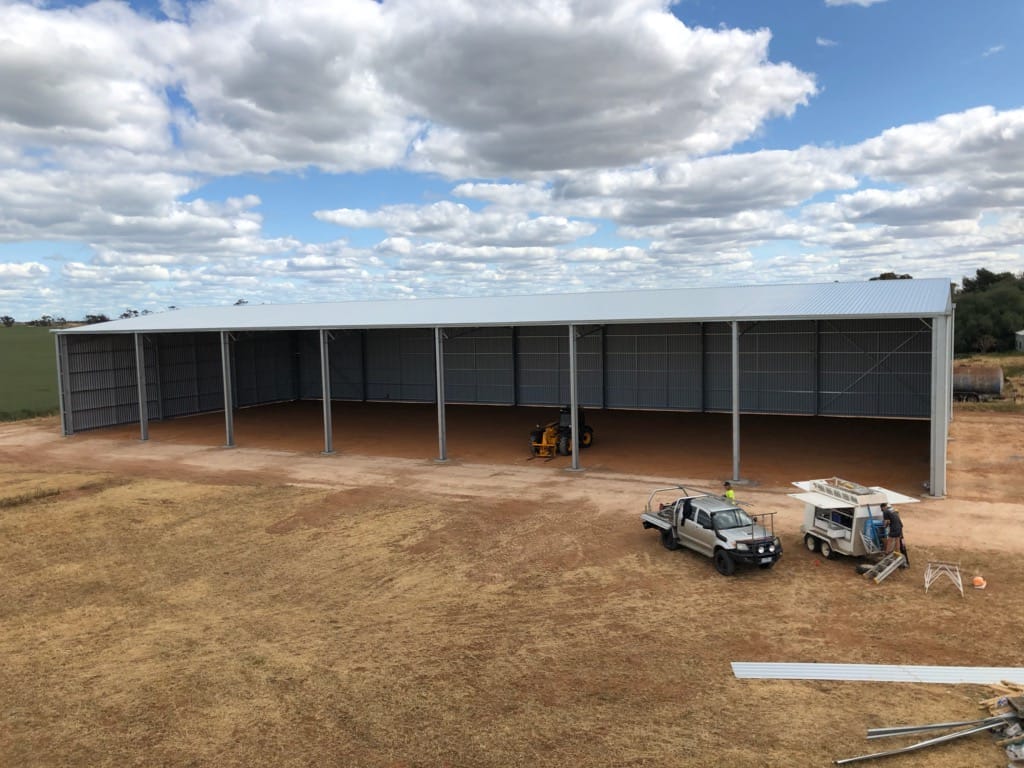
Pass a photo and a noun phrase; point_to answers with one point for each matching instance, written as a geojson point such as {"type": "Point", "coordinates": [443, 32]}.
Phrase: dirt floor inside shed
{"type": "Point", "coordinates": [775, 450]}
{"type": "Point", "coordinates": [175, 603]}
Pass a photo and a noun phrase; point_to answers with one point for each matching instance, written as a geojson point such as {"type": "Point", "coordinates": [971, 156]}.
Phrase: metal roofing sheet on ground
{"type": "Point", "coordinates": [886, 673]}
{"type": "Point", "coordinates": [880, 298]}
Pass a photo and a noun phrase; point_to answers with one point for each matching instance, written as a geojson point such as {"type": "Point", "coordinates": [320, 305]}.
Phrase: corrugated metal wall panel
{"type": "Point", "coordinates": [264, 368]}
{"type": "Point", "coordinates": [653, 366]}
{"type": "Point", "coordinates": [103, 385]}
{"type": "Point", "coordinates": [400, 365]}
{"type": "Point", "coordinates": [875, 368]}
{"type": "Point", "coordinates": [153, 400]}
{"type": "Point", "coordinates": [778, 367]}
{"type": "Point", "coordinates": [209, 374]}
{"type": "Point", "coordinates": [308, 347]}
{"type": "Point", "coordinates": [346, 361]}
{"type": "Point", "coordinates": [190, 374]}
{"type": "Point", "coordinates": [479, 366]}
{"type": "Point", "coordinates": [589, 367]}
{"type": "Point", "coordinates": [542, 360]}
{"type": "Point", "coordinates": [346, 351]}
{"type": "Point", "coordinates": [718, 367]}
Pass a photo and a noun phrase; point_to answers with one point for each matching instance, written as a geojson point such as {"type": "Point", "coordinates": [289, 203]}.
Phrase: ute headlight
{"type": "Point", "coordinates": [742, 546]}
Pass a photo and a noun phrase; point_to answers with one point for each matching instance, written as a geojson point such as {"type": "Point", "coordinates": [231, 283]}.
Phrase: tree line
{"type": "Point", "coordinates": [989, 311]}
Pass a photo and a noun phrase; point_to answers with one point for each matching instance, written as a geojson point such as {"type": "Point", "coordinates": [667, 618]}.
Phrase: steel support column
{"type": "Point", "coordinates": [63, 391]}
{"type": "Point", "coordinates": [442, 432]}
{"type": "Point", "coordinates": [941, 394]}
{"type": "Point", "coordinates": [225, 368]}
{"type": "Point", "coordinates": [140, 381]}
{"type": "Point", "coordinates": [325, 390]}
{"type": "Point", "coordinates": [950, 354]}
{"type": "Point", "coordinates": [574, 399]}
{"type": "Point", "coordinates": [735, 400]}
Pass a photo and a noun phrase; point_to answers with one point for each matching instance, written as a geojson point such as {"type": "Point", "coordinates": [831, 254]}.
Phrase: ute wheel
{"type": "Point", "coordinates": [668, 539]}
{"type": "Point", "coordinates": [587, 437]}
{"type": "Point", "coordinates": [811, 543]}
{"type": "Point", "coordinates": [826, 550]}
{"type": "Point", "coordinates": [724, 563]}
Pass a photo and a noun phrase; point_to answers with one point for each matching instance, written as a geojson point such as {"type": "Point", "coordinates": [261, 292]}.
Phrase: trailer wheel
{"type": "Point", "coordinates": [724, 563]}
{"type": "Point", "coordinates": [669, 540]}
{"type": "Point", "coordinates": [811, 543]}
{"type": "Point", "coordinates": [826, 550]}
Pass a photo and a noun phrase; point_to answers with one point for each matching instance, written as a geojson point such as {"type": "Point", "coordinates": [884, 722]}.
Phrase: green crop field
{"type": "Point", "coordinates": [28, 372]}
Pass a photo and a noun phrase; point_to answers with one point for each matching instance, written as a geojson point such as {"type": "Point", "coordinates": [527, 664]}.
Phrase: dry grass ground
{"type": "Point", "coordinates": [185, 606]}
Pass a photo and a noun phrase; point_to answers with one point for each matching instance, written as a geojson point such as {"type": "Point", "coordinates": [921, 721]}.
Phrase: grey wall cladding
{"type": "Point", "coordinates": [479, 365]}
{"type": "Point", "coordinates": [653, 366]}
{"type": "Point", "coordinates": [875, 368]}
{"type": "Point", "coordinates": [265, 369]}
{"type": "Point", "coordinates": [370, 365]}
{"type": "Point", "coordinates": [346, 363]}
{"type": "Point", "coordinates": [400, 364]}
{"type": "Point", "coordinates": [777, 367]}
{"type": "Point", "coordinates": [101, 381]}
{"type": "Point", "coordinates": [542, 366]}
{"type": "Point", "coordinates": [190, 377]}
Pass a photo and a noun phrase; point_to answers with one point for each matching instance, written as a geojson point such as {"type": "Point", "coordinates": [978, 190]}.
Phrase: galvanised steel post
{"type": "Point", "coordinates": [140, 380]}
{"type": "Point", "coordinates": [574, 399]}
{"type": "Point", "coordinates": [735, 400]}
{"type": "Point", "coordinates": [442, 435]}
{"type": "Point", "coordinates": [941, 396]}
{"type": "Point", "coordinates": [325, 390]}
{"type": "Point", "coordinates": [64, 397]}
{"type": "Point", "coordinates": [225, 368]}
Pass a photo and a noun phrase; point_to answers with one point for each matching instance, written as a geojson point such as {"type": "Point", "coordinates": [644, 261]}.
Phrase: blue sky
{"type": "Point", "coordinates": [172, 153]}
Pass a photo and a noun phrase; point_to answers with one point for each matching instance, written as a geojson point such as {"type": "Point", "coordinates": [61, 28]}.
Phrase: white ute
{"type": "Point", "coordinates": [715, 527]}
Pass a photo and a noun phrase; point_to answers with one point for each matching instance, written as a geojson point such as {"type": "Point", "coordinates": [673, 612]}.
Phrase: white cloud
{"type": "Point", "coordinates": [457, 224]}
{"type": "Point", "coordinates": [514, 87]}
{"type": "Point", "coordinates": [85, 76]}
{"type": "Point", "coordinates": [861, 3]}
{"type": "Point", "coordinates": [588, 145]}
{"type": "Point", "coordinates": [994, 50]}
{"type": "Point", "coordinates": [824, 42]}
{"type": "Point", "coordinates": [28, 270]}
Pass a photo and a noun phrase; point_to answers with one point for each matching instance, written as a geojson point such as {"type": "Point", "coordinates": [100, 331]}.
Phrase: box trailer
{"type": "Point", "coordinates": [842, 517]}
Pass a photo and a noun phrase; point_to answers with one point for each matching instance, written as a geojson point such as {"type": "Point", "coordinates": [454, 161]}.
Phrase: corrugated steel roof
{"type": "Point", "coordinates": [889, 673]}
{"type": "Point", "coordinates": [880, 298]}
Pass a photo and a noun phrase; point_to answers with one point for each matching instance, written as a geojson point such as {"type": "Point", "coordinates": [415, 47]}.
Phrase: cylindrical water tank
{"type": "Point", "coordinates": [976, 377]}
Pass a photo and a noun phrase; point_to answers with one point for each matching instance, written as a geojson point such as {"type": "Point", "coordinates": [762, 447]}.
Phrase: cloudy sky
{"type": "Point", "coordinates": [171, 153]}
